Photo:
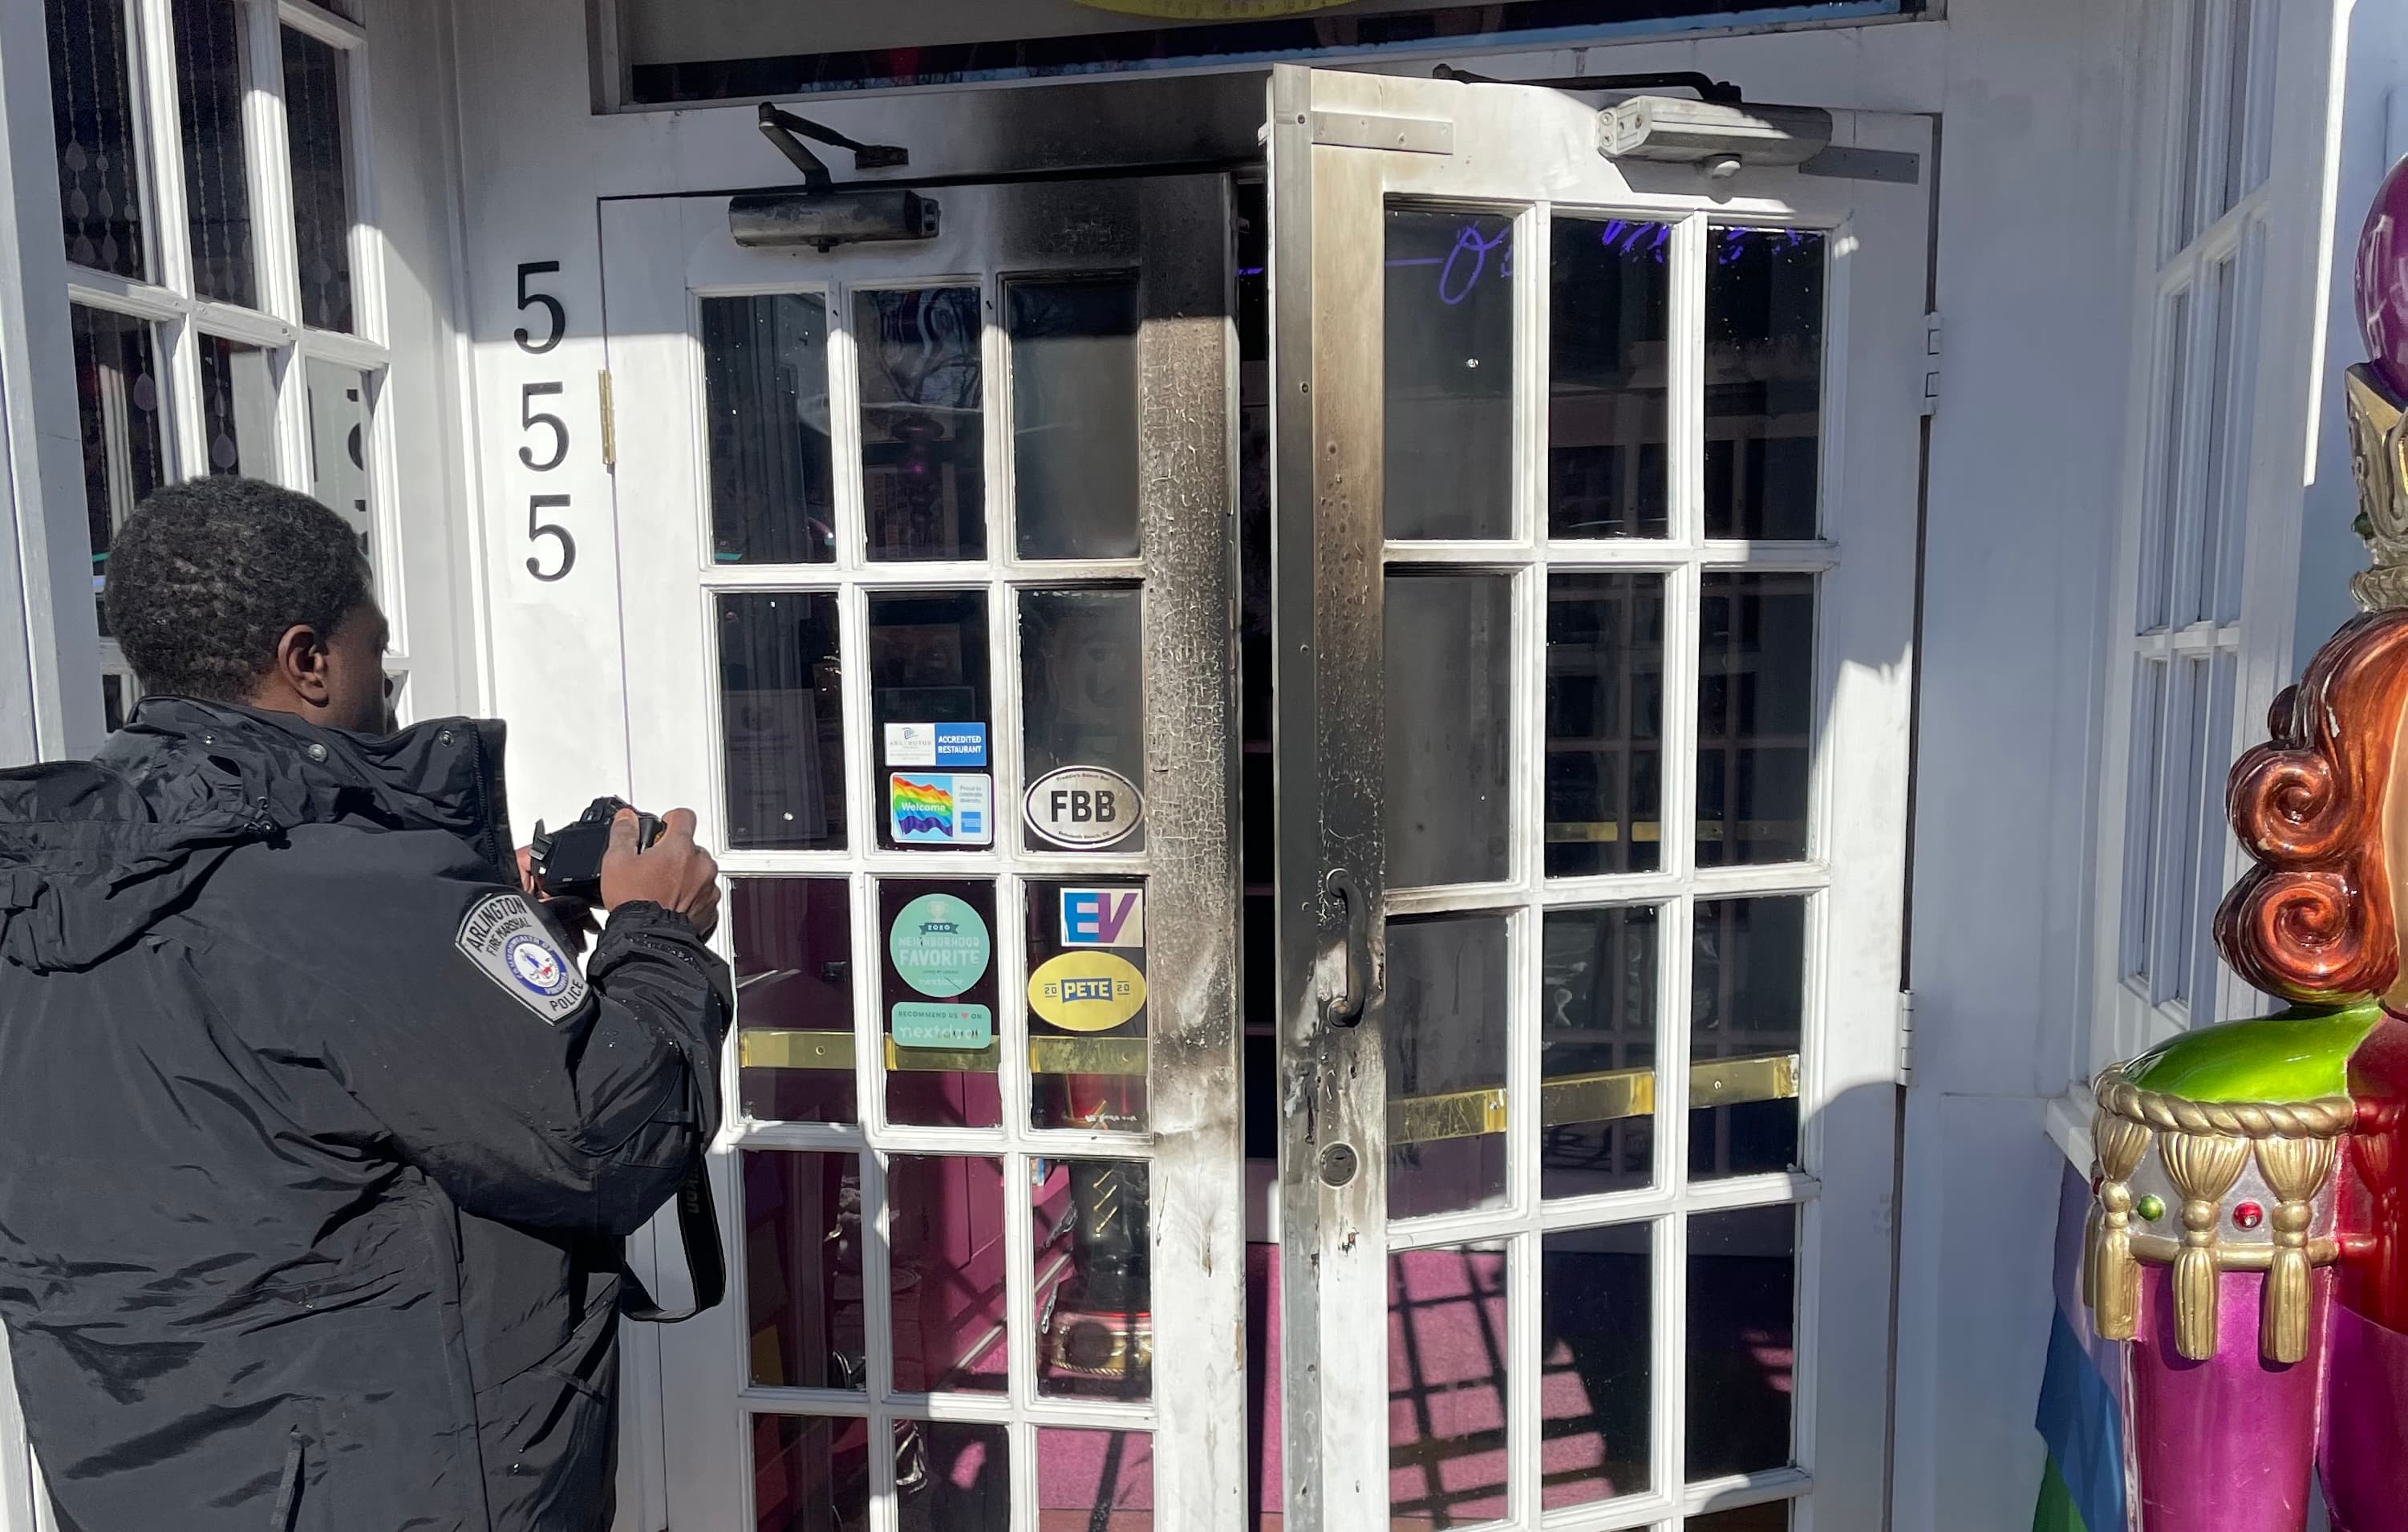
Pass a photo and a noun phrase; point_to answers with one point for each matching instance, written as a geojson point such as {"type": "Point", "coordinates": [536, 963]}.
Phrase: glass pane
{"type": "Point", "coordinates": [117, 403]}
{"type": "Point", "coordinates": [238, 407]}
{"type": "Point", "coordinates": [1074, 417]}
{"type": "Point", "coordinates": [782, 712]}
{"type": "Point", "coordinates": [1593, 1379]}
{"type": "Point", "coordinates": [794, 988]}
{"type": "Point", "coordinates": [1608, 353]}
{"type": "Point", "coordinates": [1771, 1517]}
{"type": "Point", "coordinates": [316, 108]}
{"type": "Point", "coordinates": [1093, 1287]}
{"type": "Point", "coordinates": [1597, 1051]}
{"type": "Point", "coordinates": [810, 1473]}
{"type": "Point", "coordinates": [2166, 505]}
{"type": "Point", "coordinates": [210, 87]}
{"type": "Point", "coordinates": [339, 446]}
{"type": "Point", "coordinates": [2144, 782]}
{"type": "Point", "coordinates": [1747, 992]}
{"type": "Point", "coordinates": [938, 995]}
{"type": "Point", "coordinates": [928, 670]}
{"type": "Point", "coordinates": [1605, 723]}
{"type": "Point", "coordinates": [1764, 382]}
{"type": "Point", "coordinates": [114, 701]}
{"type": "Point", "coordinates": [1447, 986]}
{"type": "Point", "coordinates": [923, 437]}
{"type": "Point", "coordinates": [944, 1216]}
{"type": "Point", "coordinates": [1082, 685]}
{"type": "Point", "coordinates": [91, 110]}
{"type": "Point", "coordinates": [1086, 1003]}
{"type": "Point", "coordinates": [2224, 491]}
{"type": "Point", "coordinates": [802, 1269]}
{"type": "Point", "coordinates": [1450, 375]}
{"type": "Point", "coordinates": [1756, 716]}
{"type": "Point", "coordinates": [1447, 1353]}
{"type": "Point", "coordinates": [950, 1476]}
{"type": "Point", "coordinates": [766, 397]}
{"type": "Point", "coordinates": [1742, 1279]}
{"type": "Point", "coordinates": [1449, 664]}
{"type": "Point", "coordinates": [1095, 1481]}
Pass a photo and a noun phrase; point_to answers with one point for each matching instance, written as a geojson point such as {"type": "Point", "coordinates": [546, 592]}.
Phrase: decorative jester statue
{"type": "Point", "coordinates": [2249, 1232]}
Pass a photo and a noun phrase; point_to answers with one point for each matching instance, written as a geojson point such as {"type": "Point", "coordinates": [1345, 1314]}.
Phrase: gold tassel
{"type": "Point", "coordinates": [2202, 1169]}
{"type": "Point", "coordinates": [2113, 1284]}
{"type": "Point", "coordinates": [2295, 1171]}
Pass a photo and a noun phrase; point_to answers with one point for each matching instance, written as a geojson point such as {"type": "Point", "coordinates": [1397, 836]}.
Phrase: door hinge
{"type": "Point", "coordinates": [1906, 1037]}
{"type": "Point", "coordinates": [610, 420]}
{"type": "Point", "coordinates": [1930, 363]}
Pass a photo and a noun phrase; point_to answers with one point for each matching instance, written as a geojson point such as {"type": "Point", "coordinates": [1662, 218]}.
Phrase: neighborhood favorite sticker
{"type": "Point", "coordinates": [503, 936]}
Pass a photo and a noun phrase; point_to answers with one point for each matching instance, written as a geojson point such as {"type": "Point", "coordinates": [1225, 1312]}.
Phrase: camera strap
{"type": "Point", "coordinates": [697, 1219]}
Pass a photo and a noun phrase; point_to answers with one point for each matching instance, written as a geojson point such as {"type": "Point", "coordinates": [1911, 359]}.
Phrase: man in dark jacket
{"type": "Point", "coordinates": [319, 1145]}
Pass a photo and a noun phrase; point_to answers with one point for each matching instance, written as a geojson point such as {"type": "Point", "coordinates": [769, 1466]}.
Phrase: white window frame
{"type": "Point", "coordinates": [178, 316]}
{"type": "Point", "coordinates": [2255, 428]}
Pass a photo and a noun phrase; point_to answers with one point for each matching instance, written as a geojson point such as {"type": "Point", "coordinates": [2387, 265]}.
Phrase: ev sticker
{"type": "Point", "coordinates": [1084, 807]}
{"type": "Point", "coordinates": [1103, 917]}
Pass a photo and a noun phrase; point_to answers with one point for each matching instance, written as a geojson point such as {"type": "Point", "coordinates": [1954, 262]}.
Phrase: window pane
{"type": "Point", "coordinates": [1087, 1003]}
{"type": "Point", "coordinates": [117, 400]}
{"type": "Point", "coordinates": [1607, 356]}
{"type": "Point", "coordinates": [1449, 641]}
{"type": "Point", "coordinates": [950, 1476]}
{"type": "Point", "coordinates": [1747, 988]}
{"type": "Point", "coordinates": [217, 181]}
{"type": "Point", "coordinates": [2224, 489]}
{"type": "Point", "coordinates": [927, 669]}
{"type": "Point", "coordinates": [338, 443]}
{"type": "Point", "coordinates": [1450, 375]}
{"type": "Point", "coordinates": [1088, 1480]}
{"type": "Point", "coordinates": [238, 407]}
{"type": "Point", "coordinates": [1083, 701]}
{"type": "Point", "coordinates": [2145, 778]}
{"type": "Point", "coordinates": [765, 386]}
{"type": "Point", "coordinates": [923, 437]}
{"type": "Point", "coordinates": [1093, 1282]}
{"type": "Point", "coordinates": [316, 108]}
{"type": "Point", "coordinates": [1741, 1341]}
{"type": "Point", "coordinates": [1597, 1051]}
{"type": "Point", "coordinates": [2165, 513]}
{"type": "Point", "coordinates": [793, 1008]}
{"type": "Point", "coordinates": [1594, 1288]}
{"type": "Point", "coordinates": [944, 1221]}
{"type": "Point", "coordinates": [1074, 420]}
{"type": "Point", "coordinates": [92, 109]}
{"type": "Point", "coordinates": [1605, 723]}
{"type": "Point", "coordinates": [1756, 717]}
{"type": "Point", "coordinates": [782, 709]}
{"type": "Point", "coordinates": [1764, 382]}
{"type": "Point", "coordinates": [1447, 1004]}
{"type": "Point", "coordinates": [810, 1473]}
{"type": "Point", "coordinates": [937, 993]}
{"type": "Point", "coordinates": [1447, 1363]}
{"type": "Point", "coordinates": [1772, 1516]}
{"type": "Point", "coordinates": [802, 1279]}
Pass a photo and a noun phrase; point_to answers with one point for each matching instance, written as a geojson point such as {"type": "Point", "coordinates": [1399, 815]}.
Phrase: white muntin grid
{"type": "Point", "coordinates": [1519, 1221]}
{"type": "Point", "coordinates": [853, 579]}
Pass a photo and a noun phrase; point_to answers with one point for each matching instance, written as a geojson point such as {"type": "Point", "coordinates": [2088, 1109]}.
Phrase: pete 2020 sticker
{"type": "Point", "coordinates": [1084, 807]}
{"type": "Point", "coordinates": [941, 809]}
{"type": "Point", "coordinates": [1103, 917]}
{"type": "Point", "coordinates": [920, 1024]}
{"type": "Point", "coordinates": [508, 942]}
{"type": "Point", "coordinates": [1087, 992]}
{"type": "Point", "coordinates": [939, 945]}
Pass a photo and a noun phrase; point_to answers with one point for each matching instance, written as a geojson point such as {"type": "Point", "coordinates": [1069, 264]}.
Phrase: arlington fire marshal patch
{"type": "Point", "coordinates": [503, 936]}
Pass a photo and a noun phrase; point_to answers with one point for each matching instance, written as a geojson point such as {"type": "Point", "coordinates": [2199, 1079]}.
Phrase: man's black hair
{"type": "Point", "coordinates": [206, 575]}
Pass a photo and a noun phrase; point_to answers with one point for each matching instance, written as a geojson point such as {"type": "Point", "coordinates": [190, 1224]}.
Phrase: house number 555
{"type": "Point", "coordinates": [545, 446]}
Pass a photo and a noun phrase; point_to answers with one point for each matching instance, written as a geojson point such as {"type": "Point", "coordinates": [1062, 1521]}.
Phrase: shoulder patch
{"type": "Point", "coordinates": [504, 937]}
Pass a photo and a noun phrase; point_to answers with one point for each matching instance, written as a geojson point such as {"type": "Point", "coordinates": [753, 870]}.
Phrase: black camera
{"type": "Point", "coordinates": [567, 861]}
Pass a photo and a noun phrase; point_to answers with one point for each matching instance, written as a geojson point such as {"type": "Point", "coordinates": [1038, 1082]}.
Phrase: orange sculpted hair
{"type": "Point", "coordinates": [2313, 921]}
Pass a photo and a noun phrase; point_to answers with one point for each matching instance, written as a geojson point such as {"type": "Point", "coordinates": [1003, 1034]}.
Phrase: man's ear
{"type": "Point", "coordinates": [302, 663]}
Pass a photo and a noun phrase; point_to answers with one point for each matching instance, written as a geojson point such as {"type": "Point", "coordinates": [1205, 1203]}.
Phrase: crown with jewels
{"type": "Point", "coordinates": [2377, 392]}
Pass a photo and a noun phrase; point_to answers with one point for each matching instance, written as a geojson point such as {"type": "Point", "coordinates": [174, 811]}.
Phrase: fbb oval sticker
{"type": "Point", "coordinates": [1084, 807]}
{"type": "Point", "coordinates": [1087, 992]}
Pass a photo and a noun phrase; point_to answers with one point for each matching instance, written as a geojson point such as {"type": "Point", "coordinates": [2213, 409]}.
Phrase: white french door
{"type": "Point", "coordinates": [1595, 489]}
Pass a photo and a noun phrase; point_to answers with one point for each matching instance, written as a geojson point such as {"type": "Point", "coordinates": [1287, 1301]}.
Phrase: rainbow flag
{"type": "Point", "coordinates": [2081, 1413]}
{"type": "Point", "coordinates": [921, 810]}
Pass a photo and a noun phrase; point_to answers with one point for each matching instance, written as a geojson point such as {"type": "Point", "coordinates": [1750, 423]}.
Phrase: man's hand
{"type": "Point", "coordinates": [675, 873]}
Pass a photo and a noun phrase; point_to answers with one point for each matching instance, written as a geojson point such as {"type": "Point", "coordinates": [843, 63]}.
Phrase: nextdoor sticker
{"type": "Point", "coordinates": [941, 809]}
{"type": "Point", "coordinates": [1103, 917]}
{"type": "Point", "coordinates": [939, 945]}
{"type": "Point", "coordinates": [1087, 992]}
{"type": "Point", "coordinates": [920, 1024]}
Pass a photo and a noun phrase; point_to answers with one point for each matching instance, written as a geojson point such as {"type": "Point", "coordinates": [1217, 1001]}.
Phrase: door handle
{"type": "Point", "coordinates": [1345, 1007]}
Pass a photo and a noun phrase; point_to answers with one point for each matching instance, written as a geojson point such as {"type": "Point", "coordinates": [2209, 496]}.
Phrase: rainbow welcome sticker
{"type": "Point", "coordinates": [940, 808]}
